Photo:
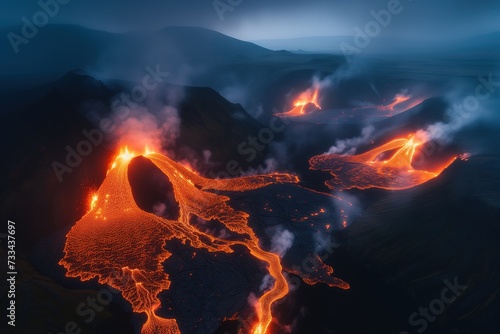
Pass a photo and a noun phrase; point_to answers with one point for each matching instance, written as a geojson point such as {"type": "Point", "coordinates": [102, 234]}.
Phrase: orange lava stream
{"type": "Point", "coordinates": [399, 99]}
{"type": "Point", "coordinates": [365, 171]}
{"type": "Point", "coordinates": [307, 99]}
{"type": "Point", "coordinates": [123, 246]}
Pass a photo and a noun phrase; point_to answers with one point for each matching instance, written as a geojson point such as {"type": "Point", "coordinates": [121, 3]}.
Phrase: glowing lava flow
{"type": "Point", "coordinates": [123, 246]}
{"type": "Point", "coordinates": [398, 99]}
{"type": "Point", "coordinates": [365, 171]}
{"type": "Point", "coordinates": [395, 108]}
{"type": "Point", "coordinates": [305, 103]}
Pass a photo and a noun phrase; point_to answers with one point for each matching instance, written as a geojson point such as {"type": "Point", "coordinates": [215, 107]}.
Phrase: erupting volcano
{"type": "Point", "coordinates": [306, 103]}
{"type": "Point", "coordinates": [306, 107]}
{"type": "Point", "coordinates": [123, 246]}
{"type": "Point", "coordinates": [367, 170]}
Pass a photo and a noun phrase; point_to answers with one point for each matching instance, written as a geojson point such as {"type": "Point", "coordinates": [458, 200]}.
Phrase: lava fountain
{"type": "Point", "coordinates": [305, 103]}
{"type": "Point", "coordinates": [367, 170]}
{"type": "Point", "coordinates": [123, 246]}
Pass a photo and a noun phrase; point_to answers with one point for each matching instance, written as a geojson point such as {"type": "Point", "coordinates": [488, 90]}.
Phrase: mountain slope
{"type": "Point", "coordinates": [60, 48]}
{"type": "Point", "coordinates": [48, 129]}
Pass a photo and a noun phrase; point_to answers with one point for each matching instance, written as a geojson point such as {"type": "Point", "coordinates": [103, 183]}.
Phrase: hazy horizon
{"type": "Point", "coordinates": [308, 44]}
{"type": "Point", "coordinates": [260, 20]}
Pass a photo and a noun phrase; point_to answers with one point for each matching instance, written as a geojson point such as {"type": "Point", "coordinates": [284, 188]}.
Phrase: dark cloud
{"type": "Point", "coordinates": [261, 19]}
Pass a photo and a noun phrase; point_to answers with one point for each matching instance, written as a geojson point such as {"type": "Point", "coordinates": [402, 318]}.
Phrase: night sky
{"type": "Point", "coordinates": [278, 19]}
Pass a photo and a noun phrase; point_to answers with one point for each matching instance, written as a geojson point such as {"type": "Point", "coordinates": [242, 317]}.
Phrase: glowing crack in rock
{"type": "Point", "coordinates": [123, 246]}
{"type": "Point", "coordinates": [365, 170]}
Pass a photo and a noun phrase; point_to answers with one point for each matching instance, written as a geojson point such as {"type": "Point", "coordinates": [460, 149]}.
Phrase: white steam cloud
{"type": "Point", "coordinates": [281, 242]}
{"type": "Point", "coordinates": [143, 128]}
{"type": "Point", "coordinates": [349, 146]}
{"type": "Point", "coordinates": [458, 116]}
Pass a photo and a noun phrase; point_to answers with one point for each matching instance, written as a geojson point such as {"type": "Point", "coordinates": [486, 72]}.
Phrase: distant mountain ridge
{"type": "Point", "coordinates": [61, 48]}
{"type": "Point", "coordinates": [381, 44]}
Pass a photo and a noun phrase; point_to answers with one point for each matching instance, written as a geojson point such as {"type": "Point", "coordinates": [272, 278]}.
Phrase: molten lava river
{"type": "Point", "coordinates": [123, 246]}
{"type": "Point", "coordinates": [368, 170]}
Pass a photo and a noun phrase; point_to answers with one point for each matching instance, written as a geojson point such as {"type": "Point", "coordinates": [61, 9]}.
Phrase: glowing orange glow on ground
{"type": "Point", "coordinates": [123, 246]}
{"type": "Point", "coordinates": [307, 99]}
{"type": "Point", "coordinates": [365, 171]}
